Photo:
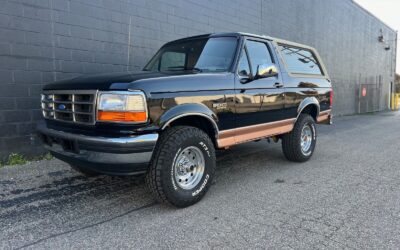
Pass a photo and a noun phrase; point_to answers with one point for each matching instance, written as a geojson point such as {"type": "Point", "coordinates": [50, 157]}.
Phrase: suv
{"type": "Point", "coordinates": [196, 95]}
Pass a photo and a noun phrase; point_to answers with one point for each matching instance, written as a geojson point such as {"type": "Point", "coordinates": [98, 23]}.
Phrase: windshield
{"type": "Point", "coordinates": [203, 55]}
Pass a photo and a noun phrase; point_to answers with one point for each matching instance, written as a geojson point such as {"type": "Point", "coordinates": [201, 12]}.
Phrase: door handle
{"type": "Point", "coordinates": [278, 85]}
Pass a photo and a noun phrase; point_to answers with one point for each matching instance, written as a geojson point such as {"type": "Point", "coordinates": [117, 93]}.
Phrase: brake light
{"type": "Point", "coordinates": [331, 98]}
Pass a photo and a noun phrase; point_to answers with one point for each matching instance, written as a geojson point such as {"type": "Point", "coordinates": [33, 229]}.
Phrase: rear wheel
{"type": "Point", "coordinates": [299, 145]}
{"type": "Point", "coordinates": [182, 167]}
{"type": "Point", "coordinates": [84, 171]}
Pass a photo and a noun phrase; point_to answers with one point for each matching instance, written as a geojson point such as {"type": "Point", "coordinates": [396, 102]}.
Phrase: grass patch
{"type": "Point", "coordinates": [46, 157]}
{"type": "Point", "coordinates": [18, 159]}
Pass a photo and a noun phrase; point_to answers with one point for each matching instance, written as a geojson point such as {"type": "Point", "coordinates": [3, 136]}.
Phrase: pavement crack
{"type": "Point", "coordinates": [88, 226]}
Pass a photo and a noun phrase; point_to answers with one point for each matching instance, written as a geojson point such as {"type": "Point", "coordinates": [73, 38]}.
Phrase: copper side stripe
{"type": "Point", "coordinates": [324, 116]}
{"type": "Point", "coordinates": [240, 135]}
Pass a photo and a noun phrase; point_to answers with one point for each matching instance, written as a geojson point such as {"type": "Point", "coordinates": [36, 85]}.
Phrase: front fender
{"type": "Point", "coordinates": [190, 109]}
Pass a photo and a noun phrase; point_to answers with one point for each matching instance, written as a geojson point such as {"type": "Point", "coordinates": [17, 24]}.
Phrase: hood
{"type": "Point", "coordinates": [110, 81]}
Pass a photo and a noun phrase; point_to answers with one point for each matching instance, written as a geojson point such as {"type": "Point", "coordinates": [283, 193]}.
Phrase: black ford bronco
{"type": "Point", "coordinates": [196, 95]}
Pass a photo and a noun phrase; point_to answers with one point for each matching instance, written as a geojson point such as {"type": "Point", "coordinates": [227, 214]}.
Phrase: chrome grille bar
{"type": "Point", "coordinates": [73, 106]}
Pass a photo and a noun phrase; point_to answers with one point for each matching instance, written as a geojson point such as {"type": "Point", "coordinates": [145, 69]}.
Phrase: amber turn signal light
{"type": "Point", "coordinates": [117, 116]}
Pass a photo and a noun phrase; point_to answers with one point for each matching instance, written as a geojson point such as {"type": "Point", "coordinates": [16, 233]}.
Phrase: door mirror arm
{"type": "Point", "coordinates": [266, 71]}
{"type": "Point", "coordinates": [263, 71]}
{"type": "Point", "coordinates": [247, 79]}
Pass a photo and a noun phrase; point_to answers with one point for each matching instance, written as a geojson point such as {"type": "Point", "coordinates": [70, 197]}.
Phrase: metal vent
{"type": "Point", "coordinates": [70, 106]}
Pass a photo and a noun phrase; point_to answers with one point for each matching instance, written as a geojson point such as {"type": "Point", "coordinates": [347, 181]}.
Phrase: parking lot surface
{"type": "Point", "coordinates": [347, 196]}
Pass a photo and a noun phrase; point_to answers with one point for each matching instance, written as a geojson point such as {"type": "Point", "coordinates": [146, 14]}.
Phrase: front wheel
{"type": "Point", "coordinates": [299, 145]}
{"type": "Point", "coordinates": [182, 167]}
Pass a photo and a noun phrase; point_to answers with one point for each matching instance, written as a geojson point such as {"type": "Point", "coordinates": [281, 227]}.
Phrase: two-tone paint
{"type": "Point", "coordinates": [236, 111]}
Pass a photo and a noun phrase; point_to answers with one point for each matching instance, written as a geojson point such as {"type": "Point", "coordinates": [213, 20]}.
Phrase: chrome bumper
{"type": "Point", "coordinates": [117, 155]}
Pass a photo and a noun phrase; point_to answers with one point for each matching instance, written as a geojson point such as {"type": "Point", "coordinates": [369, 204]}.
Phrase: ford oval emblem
{"type": "Point", "coordinates": [62, 107]}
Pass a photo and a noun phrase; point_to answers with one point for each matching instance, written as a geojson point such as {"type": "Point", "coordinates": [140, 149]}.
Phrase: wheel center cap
{"type": "Point", "coordinates": [184, 166]}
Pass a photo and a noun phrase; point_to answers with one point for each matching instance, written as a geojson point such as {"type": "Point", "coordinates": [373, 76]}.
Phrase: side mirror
{"type": "Point", "coordinates": [266, 70]}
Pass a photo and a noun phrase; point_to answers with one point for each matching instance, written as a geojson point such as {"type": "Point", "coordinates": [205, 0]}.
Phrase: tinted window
{"type": "Point", "coordinates": [217, 54]}
{"type": "Point", "coordinates": [171, 60]}
{"type": "Point", "coordinates": [300, 61]}
{"type": "Point", "coordinates": [258, 54]}
{"type": "Point", "coordinates": [208, 54]}
{"type": "Point", "coordinates": [244, 67]}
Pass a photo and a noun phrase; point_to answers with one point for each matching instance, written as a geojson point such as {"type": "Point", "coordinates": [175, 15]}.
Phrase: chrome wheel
{"type": "Point", "coordinates": [306, 139]}
{"type": "Point", "coordinates": [189, 167]}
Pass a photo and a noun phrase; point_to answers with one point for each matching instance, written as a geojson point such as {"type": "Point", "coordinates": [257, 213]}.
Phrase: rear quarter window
{"type": "Point", "coordinates": [300, 60]}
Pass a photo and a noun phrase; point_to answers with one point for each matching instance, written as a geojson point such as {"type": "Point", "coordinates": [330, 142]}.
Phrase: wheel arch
{"type": "Point", "coordinates": [196, 115]}
{"type": "Point", "coordinates": [309, 105]}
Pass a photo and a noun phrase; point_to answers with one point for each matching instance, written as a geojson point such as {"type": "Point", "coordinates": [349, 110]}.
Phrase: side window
{"type": "Point", "coordinates": [172, 60]}
{"type": "Point", "coordinates": [258, 53]}
{"type": "Point", "coordinates": [300, 61]}
{"type": "Point", "coordinates": [244, 67]}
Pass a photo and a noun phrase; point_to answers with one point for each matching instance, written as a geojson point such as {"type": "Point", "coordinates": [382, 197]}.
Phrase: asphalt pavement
{"type": "Point", "coordinates": [346, 197]}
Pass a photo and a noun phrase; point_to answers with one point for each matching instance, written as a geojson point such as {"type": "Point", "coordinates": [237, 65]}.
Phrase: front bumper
{"type": "Point", "coordinates": [108, 155]}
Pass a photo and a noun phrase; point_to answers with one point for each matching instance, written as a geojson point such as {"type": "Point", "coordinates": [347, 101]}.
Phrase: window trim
{"type": "Point", "coordinates": [301, 48]}
{"type": "Point", "coordinates": [243, 47]}
{"type": "Point", "coordinates": [324, 74]}
{"type": "Point", "coordinates": [244, 50]}
{"type": "Point", "coordinates": [266, 44]}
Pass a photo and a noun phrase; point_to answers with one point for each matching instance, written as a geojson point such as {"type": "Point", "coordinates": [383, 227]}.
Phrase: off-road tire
{"type": "Point", "coordinates": [160, 177]}
{"type": "Point", "coordinates": [291, 142]}
{"type": "Point", "coordinates": [84, 171]}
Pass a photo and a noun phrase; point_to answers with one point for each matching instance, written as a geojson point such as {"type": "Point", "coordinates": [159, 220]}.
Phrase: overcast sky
{"type": "Point", "coordinates": [389, 12]}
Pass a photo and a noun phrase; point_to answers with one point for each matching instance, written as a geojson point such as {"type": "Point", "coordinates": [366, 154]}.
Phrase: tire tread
{"type": "Point", "coordinates": [290, 146]}
{"type": "Point", "coordinates": [162, 150]}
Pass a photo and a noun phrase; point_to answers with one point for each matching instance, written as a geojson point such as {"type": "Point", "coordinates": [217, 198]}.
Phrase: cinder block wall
{"type": "Point", "coordinates": [46, 40]}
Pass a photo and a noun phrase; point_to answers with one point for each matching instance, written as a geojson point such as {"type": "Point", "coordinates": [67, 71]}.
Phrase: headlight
{"type": "Point", "coordinates": [125, 107]}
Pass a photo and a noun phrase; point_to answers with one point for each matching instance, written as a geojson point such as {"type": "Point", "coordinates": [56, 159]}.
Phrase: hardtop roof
{"type": "Point", "coordinates": [243, 34]}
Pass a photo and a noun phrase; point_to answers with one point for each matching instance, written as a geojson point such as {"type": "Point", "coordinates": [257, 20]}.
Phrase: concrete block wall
{"type": "Point", "coordinates": [47, 40]}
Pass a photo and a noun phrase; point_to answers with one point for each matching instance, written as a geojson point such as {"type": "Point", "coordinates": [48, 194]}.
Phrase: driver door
{"type": "Point", "coordinates": [259, 102]}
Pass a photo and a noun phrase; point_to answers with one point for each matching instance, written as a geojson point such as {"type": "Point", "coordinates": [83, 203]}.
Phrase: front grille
{"type": "Point", "coordinates": [70, 106]}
